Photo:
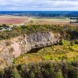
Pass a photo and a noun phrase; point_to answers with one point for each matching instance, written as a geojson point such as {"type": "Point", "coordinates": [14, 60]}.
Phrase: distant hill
{"type": "Point", "coordinates": [42, 13]}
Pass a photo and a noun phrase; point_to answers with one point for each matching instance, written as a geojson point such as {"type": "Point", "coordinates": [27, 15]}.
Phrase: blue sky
{"type": "Point", "coordinates": [52, 5]}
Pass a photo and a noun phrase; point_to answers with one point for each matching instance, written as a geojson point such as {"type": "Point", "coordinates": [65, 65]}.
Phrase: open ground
{"type": "Point", "coordinates": [35, 20]}
{"type": "Point", "coordinates": [12, 19]}
{"type": "Point", "coordinates": [49, 21]}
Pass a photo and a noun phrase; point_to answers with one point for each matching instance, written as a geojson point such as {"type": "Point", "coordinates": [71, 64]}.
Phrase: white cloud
{"type": "Point", "coordinates": [39, 5]}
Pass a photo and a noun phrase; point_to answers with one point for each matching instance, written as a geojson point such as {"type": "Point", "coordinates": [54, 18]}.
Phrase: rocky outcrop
{"type": "Point", "coordinates": [13, 48]}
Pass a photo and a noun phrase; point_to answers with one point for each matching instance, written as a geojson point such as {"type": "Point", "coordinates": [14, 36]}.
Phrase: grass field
{"type": "Point", "coordinates": [35, 20]}
{"type": "Point", "coordinates": [56, 53]}
{"type": "Point", "coordinates": [50, 21]}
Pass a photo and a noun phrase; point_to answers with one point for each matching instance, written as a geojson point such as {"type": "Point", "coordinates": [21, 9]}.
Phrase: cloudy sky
{"type": "Point", "coordinates": [24, 5]}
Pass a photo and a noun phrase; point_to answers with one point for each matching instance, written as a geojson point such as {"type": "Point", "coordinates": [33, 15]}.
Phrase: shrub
{"type": "Point", "coordinates": [16, 74]}
{"type": "Point", "coordinates": [42, 70]}
{"type": "Point", "coordinates": [52, 72]}
{"type": "Point", "coordinates": [32, 75]}
{"type": "Point", "coordinates": [1, 74]}
{"type": "Point", "coordinates": [31, 21]}
{"type": "Point", "coordinates": [38, 72]}
{"type": "Point", "coordinates": [72, 43]}
{"type": "Point", "coordinates": [64, 42]}
{"type": "Point", "coordinates": [58, 74]}
{"type": "Point", "coordinates": [73, 73]}
{"type": "Point", "coordinates": [76, 42]}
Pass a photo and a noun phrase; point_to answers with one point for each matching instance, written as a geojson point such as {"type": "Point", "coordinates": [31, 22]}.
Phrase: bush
{"type": "Point", "coordinates": [64, 42]}
{"type": "Point", "coordinates": [42, 70]}
{"type": "Point", "coordinates": [32, 75]}
{"type": "Point", "coordinates": [59, 74]}
{"type": "Point", "coordinates": [73, 73]}
{"type": "Point", "coordinates": [1, 74]}
{"type": "Point", "coordinates": [52, 72]}
{"type": "Point", "coordinates": [76, 42]}
{"type": "Point", "coordinates": [72, 43]}
{"type": "Point", "coordinates": [16, 74]}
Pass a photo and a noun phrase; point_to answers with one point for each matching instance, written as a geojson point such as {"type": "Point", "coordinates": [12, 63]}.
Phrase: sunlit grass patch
{"type": "Point", "coordinates": [56, 52]}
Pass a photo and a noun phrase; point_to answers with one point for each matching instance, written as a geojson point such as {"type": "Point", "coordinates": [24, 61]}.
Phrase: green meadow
{"type": "Point", "coordinates": [66, 52]}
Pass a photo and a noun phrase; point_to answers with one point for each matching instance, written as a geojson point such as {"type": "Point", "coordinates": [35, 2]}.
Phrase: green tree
{"type": "Point", "coordinates": [72, 43]}
{"type": "Point", "coordinates": [52, 73]}
{"type": "Point", "coordinates": [16, 74]}
{"type": "Point", "coordinates": [1, 74]}
{"type": "Point", "coordinates": [58, 74]}
{"type": "Point", "coordinates": [76, 42]}
{"type": "Point", "coordinates": [32, 75]}
{"type": "Point", "coordinates": [4, 25]}
{"type": "Point", "coordinates": [73, 73]}
{"type": "Point", "coordinates": [64, 42]}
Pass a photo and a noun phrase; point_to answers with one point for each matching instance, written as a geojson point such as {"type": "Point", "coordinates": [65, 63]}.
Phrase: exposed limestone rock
{"type": "Point", "coordinates": [25, 43]}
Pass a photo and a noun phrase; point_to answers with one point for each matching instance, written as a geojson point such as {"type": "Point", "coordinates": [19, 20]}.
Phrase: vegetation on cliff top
{"type": "Point", "coordinates": [67, 32]}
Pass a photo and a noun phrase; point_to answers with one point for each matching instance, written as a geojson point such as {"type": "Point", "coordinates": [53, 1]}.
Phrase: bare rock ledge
{"type": "Point", "coordinates": [14, 47]}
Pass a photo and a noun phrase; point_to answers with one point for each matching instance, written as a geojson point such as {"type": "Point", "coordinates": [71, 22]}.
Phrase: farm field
{"type": "Point", "coordinates": [12, 20]}
{"type": "Point", "coordinates": [50, 21]}
{"type": "Point", "coordinates": [8, 19]}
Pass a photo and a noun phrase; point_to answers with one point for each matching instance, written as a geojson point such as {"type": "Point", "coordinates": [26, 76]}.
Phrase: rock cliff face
{"type": "Point", "coordinates": [13, 48]}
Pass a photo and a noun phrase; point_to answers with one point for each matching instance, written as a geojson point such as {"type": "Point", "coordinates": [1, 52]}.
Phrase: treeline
{"type": "Point", "coordinates": [67, 32]}
{"type": "Point", "coordinates": [73, 22]}
{"type": "Point", "coordinates": [74, 18]}
{"type": "Point", "coordinates": [42, 70]}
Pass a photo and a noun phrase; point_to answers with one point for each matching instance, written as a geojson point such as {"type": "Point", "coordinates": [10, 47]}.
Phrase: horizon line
{"type": "Point", "coordinates": [44, 10]}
